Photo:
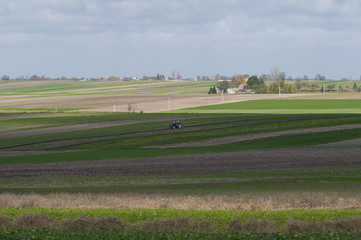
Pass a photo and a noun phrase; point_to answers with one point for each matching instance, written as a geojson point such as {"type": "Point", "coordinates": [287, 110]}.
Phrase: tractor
{"type": "Point", "coordinates": [175, 124]}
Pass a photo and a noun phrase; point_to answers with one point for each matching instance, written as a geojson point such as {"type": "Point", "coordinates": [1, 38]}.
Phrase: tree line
{"type": "Point", "coordinates": [277, 83]}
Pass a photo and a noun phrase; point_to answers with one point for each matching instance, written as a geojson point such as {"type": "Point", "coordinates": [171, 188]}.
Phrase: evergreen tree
{"type": "Point", "coordinates": [214, 90]}
{"type": "Point", "coordinates": [5, 78]}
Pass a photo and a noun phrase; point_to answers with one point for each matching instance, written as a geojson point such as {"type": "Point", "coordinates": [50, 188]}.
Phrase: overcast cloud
{"type": "Point", "coordinates": [94, 38]}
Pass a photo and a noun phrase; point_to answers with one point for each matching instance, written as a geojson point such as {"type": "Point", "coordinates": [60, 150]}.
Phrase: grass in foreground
{"type": "Point", "coordinates": [150, 235]}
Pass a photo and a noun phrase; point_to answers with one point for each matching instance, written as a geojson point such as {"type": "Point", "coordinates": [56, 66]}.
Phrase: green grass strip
{"type": "Point", "coordinates": [220, 218]}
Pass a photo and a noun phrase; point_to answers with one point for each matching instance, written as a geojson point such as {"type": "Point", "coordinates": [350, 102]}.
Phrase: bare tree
{"type": "Point", "coordinates": [277, 76]}
{"type": "Point", "coordinates": [298, 84]}
{"type": "Point", "coordinates": [205, 78]}
{"type": "Point", "coordinates": [320, 77]}
{"type": "Point", "coordinates": [5, 77]}
{"type": "Point", "coordinates": [34, 77]}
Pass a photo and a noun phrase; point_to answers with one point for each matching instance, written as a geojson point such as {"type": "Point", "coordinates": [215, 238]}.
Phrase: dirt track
{"type": "Point", "coordinates": [236, 161]}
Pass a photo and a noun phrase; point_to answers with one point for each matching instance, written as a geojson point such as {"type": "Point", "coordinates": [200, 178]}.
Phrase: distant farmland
{"type": "Point", "coordinates": [118, 96]}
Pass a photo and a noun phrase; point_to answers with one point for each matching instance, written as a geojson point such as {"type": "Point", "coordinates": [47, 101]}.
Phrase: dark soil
{"type": "Point", "coordinates": [305, 157]}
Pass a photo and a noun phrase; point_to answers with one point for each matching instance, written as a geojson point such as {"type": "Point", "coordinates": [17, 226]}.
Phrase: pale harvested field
{"type": "Point", "coordinates": [148, 103]}
{"type": "Point", "coordinates": [145, 103]}
{"type": "Point", "coordinates": [244, 202]}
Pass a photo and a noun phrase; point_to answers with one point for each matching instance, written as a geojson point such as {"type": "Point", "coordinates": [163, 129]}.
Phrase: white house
{"type": "Point", "coordinates": [236, 90]}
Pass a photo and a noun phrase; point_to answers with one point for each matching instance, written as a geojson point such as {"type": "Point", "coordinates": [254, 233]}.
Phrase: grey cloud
{"type": "Point", "coordinates": [183, 28]}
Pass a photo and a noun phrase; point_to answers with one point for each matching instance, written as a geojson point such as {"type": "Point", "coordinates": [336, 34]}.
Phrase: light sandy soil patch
{"type": "Point", "coordinates": [274, 159]}
{"type": "Point", "coordinates": [233, 139]}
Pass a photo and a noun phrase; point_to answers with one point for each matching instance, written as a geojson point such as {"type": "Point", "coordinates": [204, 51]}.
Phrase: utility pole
{"type": "Point", "coordinates": [114, 108]}
{"type": "Point", "coordinates": [279, 91]}
{"type": "Point", "coordinates": [222, 97]}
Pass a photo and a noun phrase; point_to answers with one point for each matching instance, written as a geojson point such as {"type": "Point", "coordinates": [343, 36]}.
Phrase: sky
{"type": "Point", "coordinates": [101, 38]}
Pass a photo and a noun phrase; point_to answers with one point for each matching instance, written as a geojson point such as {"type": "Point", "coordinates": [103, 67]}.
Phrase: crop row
{"type": "Point", "coordinates": [116, 152]}
{"type": "Point", "coordinates": [206, 129]}
{"type": "Point", "coordinates": [138, 128]}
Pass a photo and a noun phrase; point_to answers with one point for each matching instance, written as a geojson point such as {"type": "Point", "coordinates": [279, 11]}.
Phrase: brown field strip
{"type": "Point", "coordinates": [293, 158]}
